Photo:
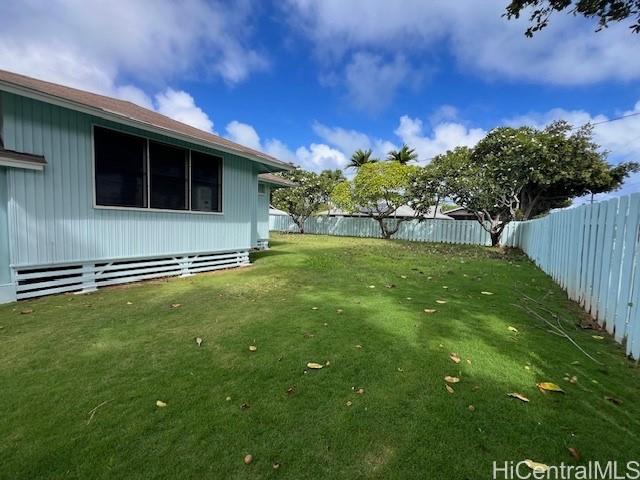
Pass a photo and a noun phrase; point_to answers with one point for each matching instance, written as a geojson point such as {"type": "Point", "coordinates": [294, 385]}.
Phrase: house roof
{"type": "Point", "coordinates": [275, 180]}
{"type": "Point", "coordinates": [11, 158]}
{"type": "Point", "coordinates": [402, 211]}
{"type": "Point", "coordinates": [122, 111]}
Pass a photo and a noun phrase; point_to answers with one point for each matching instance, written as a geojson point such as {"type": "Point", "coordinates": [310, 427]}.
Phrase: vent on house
{"type": "Point", "coordinates": [40, 280]}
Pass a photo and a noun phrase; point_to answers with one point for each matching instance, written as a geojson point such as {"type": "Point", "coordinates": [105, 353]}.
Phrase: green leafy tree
{"type": "Point", "coordinates": [404, 155]}
{"type": "Point", "coordinates": [378, 189]}
{"type": "Point", "coordinates": [520, 173]}
{"type": "Point", "coordinates": [361, 157]}
{"type": "Point", "coordinates": [311, 192]}
{"type": "Point", "coordinates": [605, 11]}
{"type": "Point", "coordinates": [429, 189]}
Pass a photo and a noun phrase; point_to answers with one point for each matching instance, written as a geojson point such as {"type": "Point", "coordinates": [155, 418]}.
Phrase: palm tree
{"type": "Point", "coordinates": [404, 155]}
{"type": "Point", "coordinates": [360, 157]}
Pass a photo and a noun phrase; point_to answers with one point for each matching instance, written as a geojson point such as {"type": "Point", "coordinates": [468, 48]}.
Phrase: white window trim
{"type": "Point", "coordinates": [148, 174]}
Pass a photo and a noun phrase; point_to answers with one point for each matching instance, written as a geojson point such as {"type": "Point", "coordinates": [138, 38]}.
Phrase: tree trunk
{"type": "Point", "coordinates": [386, 234]}
{"type": "Point", "coordinates": [495, 238]}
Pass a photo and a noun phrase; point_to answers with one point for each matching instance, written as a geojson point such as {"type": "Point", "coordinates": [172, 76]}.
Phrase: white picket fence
{"type": "Point", "coordinates": [592, 251]}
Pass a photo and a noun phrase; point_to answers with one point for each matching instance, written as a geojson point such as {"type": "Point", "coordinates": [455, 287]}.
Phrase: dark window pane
{"type": "Point", "coordinates": [168, 167]}
{"type": "Point", "coordinates": [206, 183]}
{"type": "Point", "coordinates": [120, 169]}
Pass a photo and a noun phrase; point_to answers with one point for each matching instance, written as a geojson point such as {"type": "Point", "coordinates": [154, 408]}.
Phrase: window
{"type": "Point", "coordinates": [120, 165]}
{"type": "Point", "coordinates": [206, 182]}
{"type": "Point", "coordinates": [132, 171]}
{"type": "Point", "coordinates": [261, 189]}
{"type": "Point", "coordinates": [169, 176]}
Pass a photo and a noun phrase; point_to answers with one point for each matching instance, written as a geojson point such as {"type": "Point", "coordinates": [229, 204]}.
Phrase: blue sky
{"type": "Point", "coordinates": [309, 81]}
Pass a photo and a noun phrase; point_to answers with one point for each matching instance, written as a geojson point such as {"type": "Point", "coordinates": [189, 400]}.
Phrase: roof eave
{"type": "Point", "coordinates": [122, 119]}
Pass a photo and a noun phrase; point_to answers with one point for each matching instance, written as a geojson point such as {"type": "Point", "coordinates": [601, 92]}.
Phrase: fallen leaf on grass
{"type": "Point", "coordinates": [291, 390]}
{"type": "Point", "coordinates": [549, 387]}
{"type": "Point", "coordinates": [449, 379]}
{"type": "Point", "coordinates": [175, 305]}
{"type": "Point", "coordinates": [448, 387]}
{"type": "Point", "coordinates": [360, 391]}
{"type": "Point", "coordinates": [244, 406]}
{"type": "Point", "coordinates": [597, 337]}
{"type": "Point", "coordinates": [248, 459]}
{"type": "Point", "coordinates": [275, 466]}
{"type": "Point", "coordinates": [358, 346]}
{"type": "Point", "coordinates": [573, 379]}
{"type": "Point", "coordinates": [339, 311]}
{"type": "Point", "coordinates": [469, 361]}
{"type": "Point", "coordinates": [372, 286]}
{"type": "Point", "coordinates": [129, 303]}
{"type": "Point", "coordinates": [348, 404]}
{"type": "Point", "coordinates": [160, 403]}
{"type": "Point", "coordinates": [536, 466]}
{"type": "Point", "coordinates": [390, 285]}
{"type": "Point", "coordinates": [314, 366]}
{"type": "Point", "coordinates": [445, 287]}
{"type": "Point", "coordinates": [575, 453]}
{"type": "Point", "coordinates": [252, 348]}
{"type": "Point", "coordinates": [403, 276]}
{"type": "Point", "coordinates": [430, 310]}
{"type": "Point", "coordinates": [409, 298]}
{"type": "Point", "coordinates": [471, 408]}
{"type": "Point", "coordinates": [314, 308]}
{"type": "Point", "coordinates": [26, 311]}
{"type": "Point", "coordinates": [455, 358]}
{"type": "Point", "coordinates": [441, 302]}
{"type": "Point", "coordinates": [519, 396]}
{"type": "Point", "coordinates": [614, 400]}
{"type": "Point", "coordinates": [486, 293]}
{"type": "Point", "coordinates": [228, 399]}
{"type": "Point", "coordinates": [308, 335]}
{"type": "Point", "coordinates": [199, 341]}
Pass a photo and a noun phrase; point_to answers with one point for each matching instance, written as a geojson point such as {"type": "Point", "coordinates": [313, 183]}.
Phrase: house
{"type": "Point", "coordinates": [461, 213]}
{"type": "Point", "coordinates": [96, 191]}
{"type": "Point", "coordinates": [403, 211]}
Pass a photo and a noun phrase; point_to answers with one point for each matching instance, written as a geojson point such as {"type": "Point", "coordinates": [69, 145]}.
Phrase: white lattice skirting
{"type": "Point", "coordinates": [39, 280]}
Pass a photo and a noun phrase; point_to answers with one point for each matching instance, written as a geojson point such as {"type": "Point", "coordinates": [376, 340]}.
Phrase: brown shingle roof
{"type": "Point", "coordinates": [130, 111]}
{"type": "Point", "coordinates": [276, 180]}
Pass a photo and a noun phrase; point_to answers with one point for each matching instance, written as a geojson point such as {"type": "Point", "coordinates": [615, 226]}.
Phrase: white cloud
{"type": "Point", "coordinates": [180, 106]}
{"type": "Point", "coordinates": [568, 52]}
{"type": "Point", "coordinates": [244, 134]}
{"type": "Point", "coordinates": [91, 44]}
{"type": "Point", "coordinates": [315, 157]}
{"type": "Point", "coordinates": [372, 81]}
{"type": "Point", "coordinates": [444, 136]}
{"type": "Point", "coordinates": [318, 157]}
{"type": "Point", "coordinates": [348, 141]}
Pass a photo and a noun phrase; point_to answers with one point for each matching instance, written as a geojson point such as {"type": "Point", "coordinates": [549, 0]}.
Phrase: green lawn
{"type": "Point", "coordinates": [310, 299]}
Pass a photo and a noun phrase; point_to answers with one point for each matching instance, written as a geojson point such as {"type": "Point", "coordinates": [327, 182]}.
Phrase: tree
{"type": "Point", "coordinates": [520, 173]}
{"type": "Point", "coordinates": [361, 157]}
{"type": "Point", "coordinates": [554, 165]}
{"type": "Point", "coordinates": [378, 189]}
{"type": "Point", "coordinates": [429, 189]}
{"type": "Point", "coordinates": [403, 156]}
{"type": "Point", "coordinates": [606, 11]}
{"type": "Point", "coordinates": [312, 191]}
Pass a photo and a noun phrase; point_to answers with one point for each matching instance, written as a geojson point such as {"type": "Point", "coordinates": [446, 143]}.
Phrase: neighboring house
{"type": "Point", "coordinates": [461, 213]}
{"type": "Point", "coordinates": [96, 191]}
{"type": "Point", "coordinates": [403, 212]}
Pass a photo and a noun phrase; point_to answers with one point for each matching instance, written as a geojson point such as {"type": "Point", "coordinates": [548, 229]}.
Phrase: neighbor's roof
{"type": "Point", "coordinates": [122, 111]}
{"type": "Point", "coordinates": [402, 211]}
{"type": "Point", "coordinates": [275, 180]}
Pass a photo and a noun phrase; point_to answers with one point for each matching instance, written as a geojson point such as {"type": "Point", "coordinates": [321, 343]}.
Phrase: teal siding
{"type": "Point", "coordinates": [51, 215]}
{"type": "Point", "coordinates": [5, 271]}
{"type": "Point", "coordinates": [263, 213]}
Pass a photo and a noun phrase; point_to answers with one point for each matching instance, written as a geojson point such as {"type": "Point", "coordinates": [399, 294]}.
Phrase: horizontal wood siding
{"type": "Point", "coordinates": [51, 213]}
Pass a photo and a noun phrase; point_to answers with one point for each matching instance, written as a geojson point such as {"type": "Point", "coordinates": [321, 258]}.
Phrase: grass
{"type": "Point", "coordinates": [126, 346]}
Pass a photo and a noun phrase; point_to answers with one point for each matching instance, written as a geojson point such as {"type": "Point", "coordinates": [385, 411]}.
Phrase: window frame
{"type": "Point", "coordinates": [148, 208]}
